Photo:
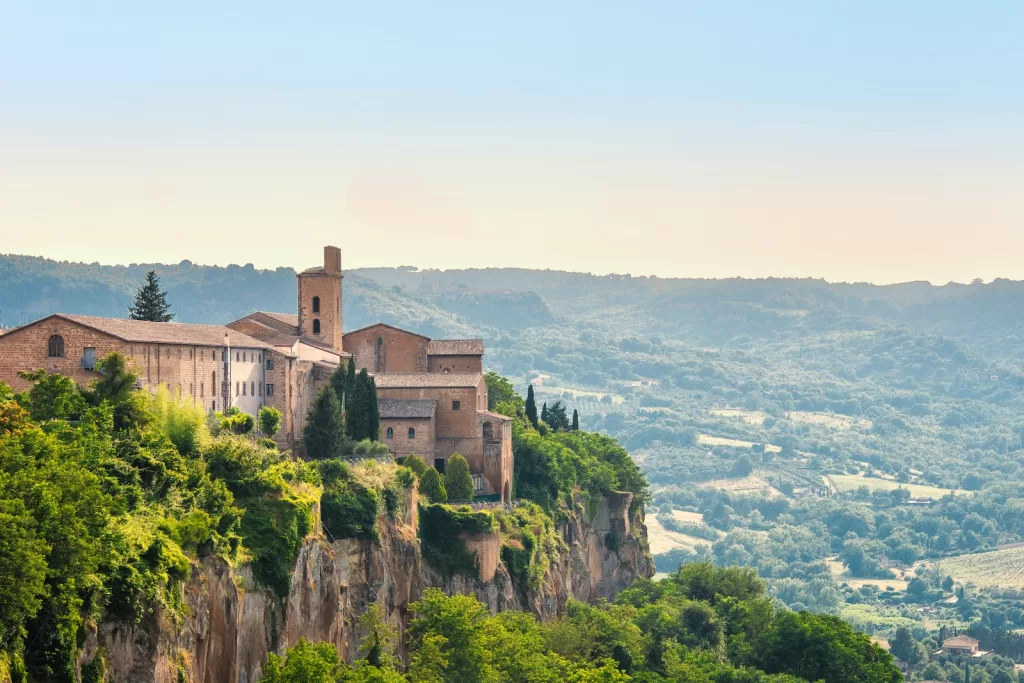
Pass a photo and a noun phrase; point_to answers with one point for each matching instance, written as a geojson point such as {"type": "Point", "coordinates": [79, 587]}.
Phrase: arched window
{"type": "Point", "coordinates": [488, 431]}
{"type": "Point", "coordinates": [316, 304]}
{"type": "Point", "coordinates": [55, 347]}
{"type": "Point", "coordinates": [412, 432]}
{"type": "Point", "coordinates": [390, 433]}
{"type": "Point", "coordinates": [316, 327]}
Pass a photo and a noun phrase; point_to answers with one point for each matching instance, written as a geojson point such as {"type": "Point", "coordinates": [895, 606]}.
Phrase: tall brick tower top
{"type": "Point", "coordinates": [320, 301]}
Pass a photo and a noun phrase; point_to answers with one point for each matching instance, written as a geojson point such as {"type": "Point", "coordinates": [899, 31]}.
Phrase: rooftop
{"type": "Point", "coordinates": [406, 407]}
{"type": "Point", "coordinates": [456, 347]}
{"type": "Point", "coordinates": [426, 380]}
{"type": "Point", "coordinates": [143, 331]}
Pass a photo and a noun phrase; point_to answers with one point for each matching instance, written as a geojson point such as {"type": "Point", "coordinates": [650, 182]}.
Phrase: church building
{"type": "Point", "coordinates": [432, 394]}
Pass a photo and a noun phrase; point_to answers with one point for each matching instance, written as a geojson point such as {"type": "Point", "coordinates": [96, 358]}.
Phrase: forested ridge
{"type": "Point", "coordinates": [860, 445]}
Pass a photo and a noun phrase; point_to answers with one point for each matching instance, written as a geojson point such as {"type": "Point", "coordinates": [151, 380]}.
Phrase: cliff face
{"type": "Point", "coordinates": [230, 624]}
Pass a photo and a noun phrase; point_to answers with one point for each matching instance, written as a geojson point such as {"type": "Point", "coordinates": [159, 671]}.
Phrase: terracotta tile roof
{"type": "Point", "coordinates": [143, 331]}
{"type": "Point", "coordinates": [456, 347]}
{"type": "Point", "coordinates": [493, 416]}
{"type": "Point", "coordinates": [406, 407]}
{"type": "Point", "coordinates": [390, 327]}
{"type": "Point", "coordinates": [289, 319]}
{"type": "Point", "coordinates": [426, 380]}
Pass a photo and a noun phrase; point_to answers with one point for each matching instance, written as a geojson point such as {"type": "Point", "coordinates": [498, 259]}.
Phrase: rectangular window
{"type": "Point", "coordinates": [236, 388]}
{"type": "Point", "coordinates": [456, 405]}
{"type": "Point", "coordinates": [260, 359]}
{"type": "Point", "coordinates": [237, 356]}
{"type": "Point", "coordinates": [213, 405]}
{"type": "Point", "coordinates": [214, 355]}
{"type": "Point", "coordinates": [261, 388]}
{"type": "Point", "coordinates": [439, 465]}
{"type": "Point", "coordinates": [252, 388]}
{"type": "Point", "coordinates": [270, 364]}
{"type": "Point", "coordinates": [223, 355]}
{"type": "Point", "coordinates": [201, 392]}
{"type": "Point", "coordinates": [270, 390]}
{"type": "Point", "coordinates": [243, 389]}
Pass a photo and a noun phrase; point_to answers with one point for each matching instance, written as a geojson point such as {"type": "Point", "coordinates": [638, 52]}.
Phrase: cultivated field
{"type": "Point", "coordinates": [752, 417]}
{"type": "Point", "coordinates": [840, 575]}
{"type": "Point", "coordinates": [708, 440]}
{"type": "Point", "coordinates": [851, 482]}
{"type": "Point", "coordinates": [830, 420]}
{"type": "Point", "coordinates": [662, 540]}
{"type": "Point", "coordinates": [1004, 568]}
{"type": "Point", "coordinates": [751, 484]}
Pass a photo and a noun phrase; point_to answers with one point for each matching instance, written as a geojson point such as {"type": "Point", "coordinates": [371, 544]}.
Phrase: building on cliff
{"type": "Point", "coordinates": [433, 397]}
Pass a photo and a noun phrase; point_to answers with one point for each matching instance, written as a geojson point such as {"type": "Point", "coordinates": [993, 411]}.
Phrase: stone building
{"type": "Point", "coordinates": [433, 397]}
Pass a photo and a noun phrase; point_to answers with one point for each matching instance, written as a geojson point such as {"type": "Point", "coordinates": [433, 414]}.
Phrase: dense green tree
{"type": "Point", "coordinates": [575, 420]}
{"type": "Point", "coordinates": [458, 481]}
{"type": "Point", "coordinates": [557, 418]}
{"type": "Point", "coordinates": [150, 303]}
{"type": "Point", "coordinates": [304, 663]}
{"type": "Point", "coordinates": [906, 647]}
{"type": "Point", "coordinates": [544, 413]}
{"type": "Point", "coordinates": [432, 486]}
{"type": "Point", "coordinates": [269, 420]}
{"type": "Point", "coordinates": [500, 390]}
{"type": "Point", "coordinates": [362, 417]}
{"type": "Point", "coordinates": [324, 433]}
{"type": "Point", "coordinates": [531, 407]}
{"type": "Point", "coordinates": [459, 621]}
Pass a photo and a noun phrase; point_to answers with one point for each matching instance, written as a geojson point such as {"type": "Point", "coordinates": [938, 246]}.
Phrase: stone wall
{"type": "Point", "coordinates": [399, 351]}
{"type": "Point", "coordinates": [26, 349]}
{"type": "Point", "coordinates": [399, 442]}
{"type": "Point", "coordinates": [455, 364]}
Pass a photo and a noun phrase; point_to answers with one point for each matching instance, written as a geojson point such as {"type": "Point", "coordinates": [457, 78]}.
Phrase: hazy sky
{"type": "Point", "coordinates": [879, 141]}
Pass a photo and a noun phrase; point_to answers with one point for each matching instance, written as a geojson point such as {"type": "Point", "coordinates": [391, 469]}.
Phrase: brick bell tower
{"type": "Point", "coordinates": [320, 300]}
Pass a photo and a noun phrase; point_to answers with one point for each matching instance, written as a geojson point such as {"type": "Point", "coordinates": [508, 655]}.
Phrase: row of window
{"type": "Point", "coordinates": [390, 433]}
{"type": "Point", "coordinates": [55, 349]}
{"type": "Point", "coordinates": [251, 388]}
{"type": "Point", "coordinates": [248, 357]}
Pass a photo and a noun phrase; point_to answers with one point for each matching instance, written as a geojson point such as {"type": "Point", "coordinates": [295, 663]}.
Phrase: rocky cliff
{"type": "Point", "coordinates": [229, 624]}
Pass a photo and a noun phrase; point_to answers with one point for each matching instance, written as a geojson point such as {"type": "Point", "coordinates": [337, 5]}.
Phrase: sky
{"type": "Point", "coordinates": [855, 141]}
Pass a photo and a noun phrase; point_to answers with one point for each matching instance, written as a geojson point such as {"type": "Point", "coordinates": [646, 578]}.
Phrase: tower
{"type": "Point", "coordinates": [320, 300]}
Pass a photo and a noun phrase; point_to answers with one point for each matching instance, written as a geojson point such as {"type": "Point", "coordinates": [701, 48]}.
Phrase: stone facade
{"type": "Point", "coordinates": [320, 301]}
{"type": "Point", "coordinates": [383, 348]}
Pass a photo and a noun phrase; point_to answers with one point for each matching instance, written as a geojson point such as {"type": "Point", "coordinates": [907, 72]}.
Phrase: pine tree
{"type": "Point", "coordinates": [531, 407]}
{"type": "Point", "coordinates": [575, 420]}
{"type": "Point", "coordinates": [150, 303]}
{"type": "Point", "coordinates": [457, 480]}
{"type": "Point", "coordinates": [324, 433]}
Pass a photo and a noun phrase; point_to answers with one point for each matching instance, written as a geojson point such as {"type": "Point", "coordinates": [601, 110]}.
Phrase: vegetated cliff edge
{"type": "Point", "coordinates": [229, 624]}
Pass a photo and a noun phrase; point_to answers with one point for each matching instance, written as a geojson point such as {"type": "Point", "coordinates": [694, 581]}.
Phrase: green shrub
{"type": "Point", "coordinates": [349, 510]}
{"type": "Point", "coordinates": [432, 487]}
{"type": "Point", "coordinates": [269, 419]}
{"type": "Point", "coordinates": [416, 464]}
{"type": "Point", "coordinates": [458, 482]}
{"type": "Point", "coordinates": [269, 444]}
{"type": "Point", "coordinates": [440, 527]}
{"type": "Point", "coordinates": [366, 447]}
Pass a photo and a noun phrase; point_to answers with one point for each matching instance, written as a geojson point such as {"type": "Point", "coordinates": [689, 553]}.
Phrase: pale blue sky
{"type": "Point", "coordinates": [851, 140]}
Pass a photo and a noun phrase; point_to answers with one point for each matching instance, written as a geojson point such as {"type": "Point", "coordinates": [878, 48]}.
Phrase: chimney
{"type": "Point", "coordinates": [332, 259]}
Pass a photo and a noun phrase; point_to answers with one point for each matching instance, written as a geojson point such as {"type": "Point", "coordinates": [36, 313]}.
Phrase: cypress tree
{"type": "Point", "coordinates": [457, 480]}
{"type": "Point", "coordinates": [531, 407]}
{"type": "Point", "coordinates": [357, 408]}
{"type": "Point", "coordinates": [350, 377]}
{"type": "Point", "coordinates": [544, 412]}
{"type": "Point", "coordinates": [575, 420]}
{"type": "Point", "coordinates": [150, 303]}
{"type": "Point", "coordinates": [324, 433]}
{"type": "Point", "coordinates": [374, 413]}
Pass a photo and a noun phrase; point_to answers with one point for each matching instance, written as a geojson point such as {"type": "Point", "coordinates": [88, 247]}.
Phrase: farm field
{"type": "Point", "coordinates": [850, 482]}
{"type": "Point", "coordinates": [1004, 568]}
{"type": "Point", "coordinates": [752, 417]}
{"type": "Point", "coordinates": [662, 540]}
{"type": "Point", "coordinates": [751, 484]}
{"type": "Point", "coordinates": [830, 420]}
{"type": "Point", "coordinates": [708, 440]}
{"type": "Point", "coordinates": [691, 517]}
{"type": "Point", "coordinates": [841, 576]}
